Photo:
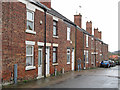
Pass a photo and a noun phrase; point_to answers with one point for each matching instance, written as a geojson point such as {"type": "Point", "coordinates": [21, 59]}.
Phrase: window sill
{"type": "Point", "coordinates": [30, 31]}
{"type": "Point", "coordinates": [30, 67]}
{"type": "Point", "coordinates": [68, 62]}
{"type": "Point", "coordinates": [55, 36]}
{"type": "Point", "coordinates": [55, 64]}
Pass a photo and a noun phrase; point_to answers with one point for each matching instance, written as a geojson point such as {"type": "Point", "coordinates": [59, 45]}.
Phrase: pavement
{"type": "Point", "coordinates": [93, 78]}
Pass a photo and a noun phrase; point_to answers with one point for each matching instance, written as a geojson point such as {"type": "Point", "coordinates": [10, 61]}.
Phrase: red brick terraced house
{"type": "Point", "coordinates": [41, 42]}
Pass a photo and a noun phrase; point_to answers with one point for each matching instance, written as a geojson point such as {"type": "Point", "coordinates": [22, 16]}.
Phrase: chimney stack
{"type": "Point", "coordinates": [100, 35]}
{"type": "Point", "coordinates": [78, 20]}
{"type": "Point", "coordinates": [96, 33]}
{"type": "Point", "coordinates": [47, 3]}
{"type": "Point", "coordinates": [89, 27]}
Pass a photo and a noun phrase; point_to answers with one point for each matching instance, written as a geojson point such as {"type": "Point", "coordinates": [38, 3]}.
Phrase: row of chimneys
{"type": "Point", "coordinates": [78, 21]}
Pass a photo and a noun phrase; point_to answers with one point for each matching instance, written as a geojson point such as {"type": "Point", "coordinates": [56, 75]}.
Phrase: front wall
{"type": "Point", "coordinates": [80, 47]}
{"type": "Point", "coordinates": [14, 37]}
{"type": "Point", "coordinates": [14, 47]}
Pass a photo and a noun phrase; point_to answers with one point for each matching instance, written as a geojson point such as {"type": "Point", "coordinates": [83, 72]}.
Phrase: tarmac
{"type": "Point", "coordinates": [75, 79]}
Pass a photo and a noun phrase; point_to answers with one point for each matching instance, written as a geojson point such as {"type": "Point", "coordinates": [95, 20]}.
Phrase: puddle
{"type": "Point", "coordinates": [77, 76]}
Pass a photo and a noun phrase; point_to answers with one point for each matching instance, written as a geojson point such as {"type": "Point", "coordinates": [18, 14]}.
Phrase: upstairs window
{"type": "Point", "coordinates": [68, 33]}
{"type": "Point", "coordinates": [92, 44]}
{"type": "Point", "coordinates": [30, 20]}
{"type": "Point", "coordinates": [96, 45]}
{"type": "Point", "coordinates": [54, 28]}
{"type": "Point", "coordinates": [86, 40]}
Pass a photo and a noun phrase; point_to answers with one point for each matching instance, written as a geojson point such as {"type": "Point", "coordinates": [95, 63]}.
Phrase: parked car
{"type": "Point", "coordinates": [112, 63]}
{"type": "Point", "coordinates": [117, 62]}
{"type": "Point", "coordinates": [105, 63]}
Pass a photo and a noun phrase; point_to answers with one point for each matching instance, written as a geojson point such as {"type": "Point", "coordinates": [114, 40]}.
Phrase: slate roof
{"type": "Point", "coordinates": [57, 14]}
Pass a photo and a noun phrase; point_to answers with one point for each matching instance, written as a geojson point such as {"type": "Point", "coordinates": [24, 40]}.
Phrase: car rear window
{"type": "Point", "coordinates": [105, 61]}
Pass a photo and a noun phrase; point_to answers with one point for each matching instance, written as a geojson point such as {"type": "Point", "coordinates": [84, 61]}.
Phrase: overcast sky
{"type": "Point", "coordinates": [102, 13]}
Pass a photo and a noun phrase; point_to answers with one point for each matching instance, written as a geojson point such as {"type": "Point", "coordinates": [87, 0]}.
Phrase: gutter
{"type": "Point", "coordinates": [83, 50]}
{"type": "Point", "coordinates": [95, 52]}
{"type": "Point", "coordinates": [75, 47]}
{"type": "Point", "coordinates": [45, 46]}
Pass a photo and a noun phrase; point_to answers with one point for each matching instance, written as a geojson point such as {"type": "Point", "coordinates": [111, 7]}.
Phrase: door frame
{"type": "Point", "coordinates": [40, 49]}
{"type": "Point", "coordinates": [47, 61]}
{"type": "Point", "coordinates": [84, 59]}
{"type": "Point", "coordinates": [73, 60]}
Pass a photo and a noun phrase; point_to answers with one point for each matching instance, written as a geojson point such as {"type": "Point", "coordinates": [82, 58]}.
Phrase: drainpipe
{"type": "Point", "coordinates": [45, 46]}
{"type": "Point", "coordinates": [95, 52]}
{"type": "Point", "coordinates": [75, 46]}
{"type": "Point", "coordinates": [83, 50]}
{"type": "Point", "coordinates": [102, 50]}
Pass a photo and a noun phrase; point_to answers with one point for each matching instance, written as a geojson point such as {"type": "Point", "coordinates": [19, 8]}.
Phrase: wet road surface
{"type": "Point", "coordinates": [97, 78]}
{"type": "Point", "coordinates": [93, 78]}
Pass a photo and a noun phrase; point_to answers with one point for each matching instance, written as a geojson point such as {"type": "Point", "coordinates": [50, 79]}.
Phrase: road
{"type": "Point", "coordinates": [93, 78]}
{"type": "Point", "coordinates": [96, 78]}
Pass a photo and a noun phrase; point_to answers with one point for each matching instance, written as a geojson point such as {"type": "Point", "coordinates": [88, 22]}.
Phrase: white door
{"type": "Point", "coordinates": [72, 59]}
{"type": "Point", "coordinates": [40, 63]}
{"type": "Point", "coordinates": [47, 61]}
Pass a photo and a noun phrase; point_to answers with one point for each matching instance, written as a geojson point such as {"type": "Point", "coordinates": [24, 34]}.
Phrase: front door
{"type": "Point", "coordinates": [72, 59]}
{"type": "Point", "coordinates": [39, 62]}
{"type": "Point", "coordinates": [47, 61]}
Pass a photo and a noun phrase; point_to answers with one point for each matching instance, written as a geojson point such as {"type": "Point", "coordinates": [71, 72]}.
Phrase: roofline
{"type": "Point", "coordinates": [69, 21]}
{"type": "Point", "coordinates": [38, 4]}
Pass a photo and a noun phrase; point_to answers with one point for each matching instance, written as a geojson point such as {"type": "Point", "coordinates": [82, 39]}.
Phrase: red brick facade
{"type": "Point", "coordinates": [14, 37]}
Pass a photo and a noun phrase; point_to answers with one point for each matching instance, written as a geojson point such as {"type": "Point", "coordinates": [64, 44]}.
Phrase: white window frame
{"type": "Point", "coordinates": [92, 44]}
{"type": "Point", "coordinates": [32, 55]}
{"type": "Point", "coordinates": [30, 43]}
{"type": "Point", "coordinates": [68, 33]}
{"type": "Point", "coordinates": [56, 36]}
{"type": "Point", "coordinates": [56, 55]}
{"type": "Point", "coordinates": [27, 30]}
{"type": "Point", "coordinates": [69, 55]}
{"type": "Point", "coordinates": [87, 40]}
{"type": "Point", "coordinates": [96, 45]}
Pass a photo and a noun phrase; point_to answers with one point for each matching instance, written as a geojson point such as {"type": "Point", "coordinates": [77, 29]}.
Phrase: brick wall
{"type": "Point", "coordinates": [80, 47]}
{"type": "Point", "coordinates": [79, 39]}
{"type": "Point", "coordinates": [14, 37]}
